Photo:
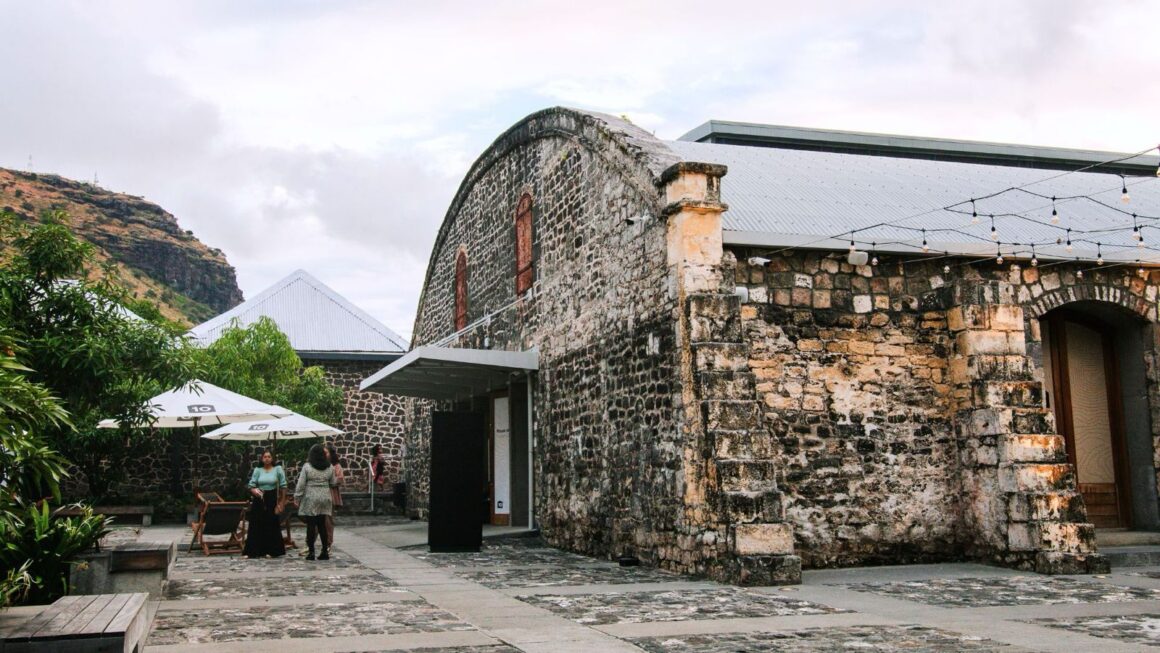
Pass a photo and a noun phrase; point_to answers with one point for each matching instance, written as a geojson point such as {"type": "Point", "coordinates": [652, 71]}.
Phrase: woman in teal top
{"type": "Point", "coordinates": [267, 487]}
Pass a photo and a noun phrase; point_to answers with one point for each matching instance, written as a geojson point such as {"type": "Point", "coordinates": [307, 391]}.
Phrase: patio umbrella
{"type": "Point", "coordinates": [291, 427]}
{"type": "Point", "coordinates": [197, 404]}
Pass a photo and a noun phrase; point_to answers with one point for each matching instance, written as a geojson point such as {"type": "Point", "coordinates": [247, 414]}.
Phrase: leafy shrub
{"type": "Point", "coordinates": [44, 546]}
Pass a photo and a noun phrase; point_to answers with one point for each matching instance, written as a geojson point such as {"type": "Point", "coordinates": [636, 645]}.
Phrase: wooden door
{"type": "Point", "coordinates": [1085, 380]}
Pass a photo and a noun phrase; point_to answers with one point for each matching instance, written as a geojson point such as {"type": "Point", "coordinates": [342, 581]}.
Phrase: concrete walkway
{"type": "Point", "coordinates": [517, 595]}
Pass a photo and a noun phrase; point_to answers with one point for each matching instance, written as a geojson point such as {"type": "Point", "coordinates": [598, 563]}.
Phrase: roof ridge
{"type": "Point", "coordinates": [258, 303]}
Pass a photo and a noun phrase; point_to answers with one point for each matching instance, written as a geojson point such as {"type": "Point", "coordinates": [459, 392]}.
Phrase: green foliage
{"type": "Point", "coordinates": [82, 346]}
{"type": "Point", "coordinates": [258, 361]}
{"type": "Point", "coordinates": [44, 547]}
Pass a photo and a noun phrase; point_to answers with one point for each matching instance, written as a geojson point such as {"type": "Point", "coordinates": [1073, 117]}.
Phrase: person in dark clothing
{"type": "Point", "coordinates": [267, 489]}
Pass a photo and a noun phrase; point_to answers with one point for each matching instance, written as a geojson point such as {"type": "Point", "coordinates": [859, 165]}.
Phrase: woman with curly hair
{"type": "Point", "coordinates": [312, 494]}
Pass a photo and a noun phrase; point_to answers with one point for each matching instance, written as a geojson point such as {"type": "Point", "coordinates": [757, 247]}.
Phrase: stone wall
{"type": "Point", "coordinates": [609, 469]}
{"type": "Point", "coordinates": [850, 371]}
{"type": "Point", "coordinates": [904, 407]}
{"type": "Point", "coordinates": [369, 418]}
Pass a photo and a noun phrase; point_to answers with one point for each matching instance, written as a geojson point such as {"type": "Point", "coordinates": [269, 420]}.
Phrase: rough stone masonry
{"type": "Point", "coordinates": [828, 415]}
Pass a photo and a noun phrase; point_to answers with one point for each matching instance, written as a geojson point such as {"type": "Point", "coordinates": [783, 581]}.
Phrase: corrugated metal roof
{"type": "Point", "coordinates": [312, 315]}
{"type": "Point", "coordinates": [792, 197]}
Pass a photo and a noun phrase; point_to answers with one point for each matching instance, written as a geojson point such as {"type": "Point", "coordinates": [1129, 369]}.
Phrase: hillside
{"type": "Point", "coordinates": [157, 259]}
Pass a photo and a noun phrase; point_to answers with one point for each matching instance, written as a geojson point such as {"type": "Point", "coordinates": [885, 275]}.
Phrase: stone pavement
{"type": "Point", "coordinates": [383, 592]}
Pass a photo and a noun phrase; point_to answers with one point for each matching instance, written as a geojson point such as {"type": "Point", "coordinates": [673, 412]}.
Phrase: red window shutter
{"type": "Point", "coordinates": [461, 291]}
{"type": "Point", "coordinates": [525, 272]}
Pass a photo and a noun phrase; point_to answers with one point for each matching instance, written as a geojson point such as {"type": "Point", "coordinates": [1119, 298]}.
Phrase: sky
{"type": "Point", "coordinates": [331, 135]}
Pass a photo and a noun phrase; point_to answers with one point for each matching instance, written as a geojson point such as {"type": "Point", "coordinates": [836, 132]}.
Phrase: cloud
{"type": "Point", "coordinates": [331, 136]}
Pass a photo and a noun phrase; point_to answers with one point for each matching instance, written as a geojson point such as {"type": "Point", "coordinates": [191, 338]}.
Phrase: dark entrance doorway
{"type": "Point", "coordinates": [1081, 362]}
{"type": "Point", "coordinates": [458, 446]}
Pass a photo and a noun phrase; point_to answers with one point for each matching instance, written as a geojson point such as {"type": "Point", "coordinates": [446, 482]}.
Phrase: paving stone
{"type": "Point", "coordinates": [1135, 629]}
{"type": "Point", "coordinates": [196, 562]}
{"type": "Point", "coordinates": [497, 648]}
{"type": "Point", "coordinates": [1009, 590]}
{"type": "Point", "coordinates": [640, 607]}
{"type": "Point", "coordinates": [871, 639]}
{"type": "Point", "coordinates": [262, 587]}
{"type": "Point", "coordinates": [317, 620]}
{"type": "Point", "coordinates": [513, 551]}
{"type": "Point", "coordinates": [565, 574]}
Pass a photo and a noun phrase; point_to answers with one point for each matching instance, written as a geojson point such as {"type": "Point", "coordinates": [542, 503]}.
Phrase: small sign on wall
{"type": "Point", "coordinates": [503, 458]}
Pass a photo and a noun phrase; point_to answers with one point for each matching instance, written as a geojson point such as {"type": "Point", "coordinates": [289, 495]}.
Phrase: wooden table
{"type": "Point", "coordinates": [83, 624]}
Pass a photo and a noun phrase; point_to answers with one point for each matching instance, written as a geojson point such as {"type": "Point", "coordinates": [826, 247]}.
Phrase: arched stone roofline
{"type": "Point", "coordinates": [1109, 293]}
{"type": "Point", "coordinates": [638, 155]}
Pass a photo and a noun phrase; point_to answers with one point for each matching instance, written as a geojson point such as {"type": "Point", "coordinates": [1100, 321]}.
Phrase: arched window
{"type": "Point", "coordinates": [525, 270]}
{"type": "Point", "coordinates": [461, 291]}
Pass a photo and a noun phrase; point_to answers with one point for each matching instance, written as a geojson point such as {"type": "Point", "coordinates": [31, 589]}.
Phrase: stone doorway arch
{"type": "Point", "coordinates": [1094, 345]}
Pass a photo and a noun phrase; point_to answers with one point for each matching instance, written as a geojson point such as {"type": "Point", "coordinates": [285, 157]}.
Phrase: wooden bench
{"type": "Point", "coordinates": [84, 624]}
{"type": "Point", "coordinates": [139, 514]}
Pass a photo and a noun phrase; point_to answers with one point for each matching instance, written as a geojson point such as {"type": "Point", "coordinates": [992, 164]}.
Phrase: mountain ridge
{"type": "Point", "coordinates": [158, 260]}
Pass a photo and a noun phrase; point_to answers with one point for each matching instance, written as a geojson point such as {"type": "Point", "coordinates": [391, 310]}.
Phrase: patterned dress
{"type": "Point", "coordinates": [313, 491]}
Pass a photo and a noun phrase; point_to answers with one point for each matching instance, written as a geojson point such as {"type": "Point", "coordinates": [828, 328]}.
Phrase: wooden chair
{"type": "Point", "coordinates": [203, 499]}
{"type": "Point", "coordinates": [223, 518]}
{"type": "Point", "coordinates": [289, 513]}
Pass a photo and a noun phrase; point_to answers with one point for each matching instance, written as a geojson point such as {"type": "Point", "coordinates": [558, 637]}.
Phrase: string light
{"type": "Point", "coordinates": [999, 251]}
{"type": "Point", "coordinates": [1139, 268]}
{"type": "Point", "coordinates": [1078, 273]}
{"type": "Point", "coordinates": [1084, 235]}
{"type": "Point", "coordinates": [947, 269]}
{"type": "Point", "coordinates": [873, 255]}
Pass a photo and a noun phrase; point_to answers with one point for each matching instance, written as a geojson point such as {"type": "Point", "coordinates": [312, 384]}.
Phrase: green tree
{"type": "Point", "coordinates": [258, 361]}
{"type": "Point", "coordinates": [82, 345]}
{"type": "Point", "coordinates": [36, 549]}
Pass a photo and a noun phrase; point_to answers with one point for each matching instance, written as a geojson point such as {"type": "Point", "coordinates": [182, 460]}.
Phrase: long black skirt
{"type": "Point", "coordinates": [263, 536]}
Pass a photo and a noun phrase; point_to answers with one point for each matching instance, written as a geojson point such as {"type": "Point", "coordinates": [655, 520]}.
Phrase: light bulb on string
{"type": "Point", "coordinates": [1099, 254]}
{"type": "Point", "coordinates": [974, 213]}
{"type": "Point", "coordinates": [852, 246]}
{"type": "Point", "coordinates": [873, 254]}
{"type": "Point", "coordinates": [1124, 190]}
{"type": "Point", "coordinates": [999, 252]}
{"type": "Point", "coordinates": [994, 234]}
{"type": "Point", "coordinates": [1054, 213]}
{"type": "Point", "coordinates": [1140, 239]}
{"type": "Point", "coordinates": [1079, 274]}
{"type": "Point", "coordinates": [1069, 239]}
{"type": "Point", "coordinates": [1139, 269]}
{"type": "Point", "coordinates": [1034, 259]}
{"type": "Point", "coordinates": [925, 247]}
{"type": "Point", "coordinates": [1135, 228]}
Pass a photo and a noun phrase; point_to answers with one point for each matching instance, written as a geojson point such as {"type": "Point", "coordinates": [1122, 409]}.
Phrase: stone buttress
{"type": "Point", "coordinates": [1021, 506]}
{"type": "Point", "coordinates": [730, 485]}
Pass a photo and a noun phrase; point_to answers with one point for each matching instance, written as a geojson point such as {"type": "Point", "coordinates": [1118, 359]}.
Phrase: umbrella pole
{"type": "Point", "coordinates": [274, 448]}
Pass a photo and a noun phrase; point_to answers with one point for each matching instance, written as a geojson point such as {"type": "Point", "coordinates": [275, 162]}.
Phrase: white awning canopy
{"type": "Point", "coordinates": [449, 373]}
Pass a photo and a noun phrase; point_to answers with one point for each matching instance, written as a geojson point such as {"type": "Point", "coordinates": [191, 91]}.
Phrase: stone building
{"type": "Point", "coordinates": [758, 348]}
{"type": "Point", "coordinates": [328, 331]}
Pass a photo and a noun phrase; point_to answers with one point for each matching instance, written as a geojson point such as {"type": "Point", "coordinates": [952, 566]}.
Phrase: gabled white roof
{"type": "Point", "coordinates": [312, 315]}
